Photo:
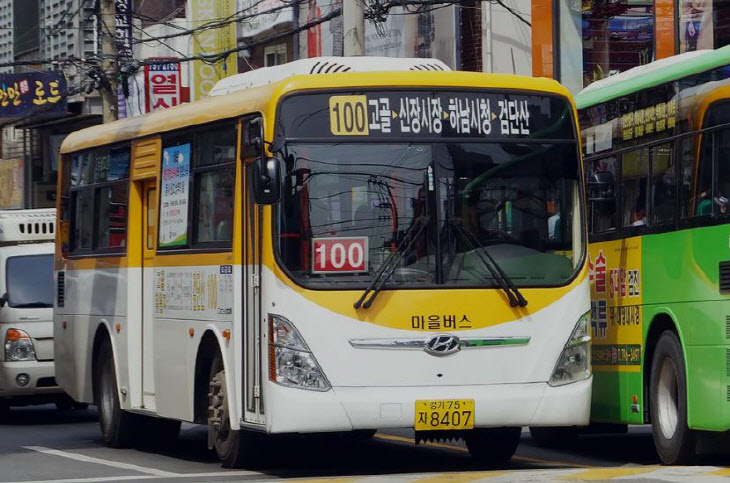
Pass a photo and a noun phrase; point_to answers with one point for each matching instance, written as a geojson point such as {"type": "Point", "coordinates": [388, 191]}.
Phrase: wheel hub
{"type": "Point", "coordinates": [668, 399]}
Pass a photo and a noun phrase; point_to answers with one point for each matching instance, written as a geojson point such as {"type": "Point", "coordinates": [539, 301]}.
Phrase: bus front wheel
{"type": "Point", "coordinates": [673, 439]}
{"type": "Point", "coordinates": [235, 449]}
{"type": "Point", "coordinates": [492, 445]}
{"type": "Point", "coordinates": [118, 427]}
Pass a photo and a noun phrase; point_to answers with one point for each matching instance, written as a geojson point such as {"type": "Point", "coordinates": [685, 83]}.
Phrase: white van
{"type": "Point", "coordinates": [26, 310]}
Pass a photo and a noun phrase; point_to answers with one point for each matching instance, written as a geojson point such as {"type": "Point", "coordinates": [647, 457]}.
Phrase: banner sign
{"type": "Point", "coordinates": [258, 22]}
{"type": "Point", "coordinates": [210, 42]}
{"type": "Point", "coordinates": [424, 114]}
{"type": "Point", "coordinates": [162, 84]}
{"type": "Point", "coordinates": [174, 199]}
{"type": "Point", "coordinates": [123, 28]}
{"type": "Point", "coordinates": [23, 93]}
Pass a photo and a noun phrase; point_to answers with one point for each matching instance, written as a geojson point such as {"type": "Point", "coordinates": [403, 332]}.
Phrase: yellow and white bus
{"type": "Point", "coordinates": [330, 252]}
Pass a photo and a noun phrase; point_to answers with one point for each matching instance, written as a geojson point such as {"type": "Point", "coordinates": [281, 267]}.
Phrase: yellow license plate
{"type": "Point", "coordinates": [444, 414]}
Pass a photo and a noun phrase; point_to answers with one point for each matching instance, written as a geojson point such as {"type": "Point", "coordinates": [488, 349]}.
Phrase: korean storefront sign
{"type": "Point", "coordinates": [24, 93]}
{"type": "Point", "coordinates": [212, 41]}
{"type": "Point", "coordinates": [174, 199]}
{"type": "Point", "coordinates": [162, 84]}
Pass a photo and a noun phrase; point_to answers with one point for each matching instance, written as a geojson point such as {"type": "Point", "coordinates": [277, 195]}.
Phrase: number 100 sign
{"type": "Point", "coordinates": [340, 255]}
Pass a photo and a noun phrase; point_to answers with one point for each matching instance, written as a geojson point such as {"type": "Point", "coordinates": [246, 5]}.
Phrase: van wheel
{"type": "Point", "coordinates": [118, 427]}
{"type": "Point", "coordinates": [494, 445]}
{"type": "Point", "coordinates": [674, 441]}
{"type": "Point", "coordinates": [235, 449]}
{"type": "Point", "coordinates": [557, 437]}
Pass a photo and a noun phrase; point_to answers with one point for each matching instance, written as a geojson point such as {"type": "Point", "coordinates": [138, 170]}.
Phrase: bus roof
{"type": "Point", "coordinates": [652, 74]}
{"type": "Point", "coordinates": [258, 99]}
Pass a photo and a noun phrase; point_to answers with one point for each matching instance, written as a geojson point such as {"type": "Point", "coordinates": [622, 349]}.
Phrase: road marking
{"type": "Point", "coordinates": [527, 459]}
{"type": "Point", "coordinates": [461, 477]}
{"type": "Point", "coordinates": [599, 474]}
{"type": "Point", "coordinates": [99, 461]}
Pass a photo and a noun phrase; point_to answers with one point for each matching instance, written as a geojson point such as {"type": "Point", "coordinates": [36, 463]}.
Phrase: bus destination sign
{"type": "Point", "coordinates": [427, 114]}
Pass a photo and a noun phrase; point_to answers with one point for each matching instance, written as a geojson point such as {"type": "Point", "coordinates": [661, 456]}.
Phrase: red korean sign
{"type": "Point", "coordinates": [340, 255]}
{"type": "Point", "coordinates": [162, 84]}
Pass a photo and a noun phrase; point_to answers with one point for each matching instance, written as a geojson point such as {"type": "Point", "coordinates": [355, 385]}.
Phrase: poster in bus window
{"type": "Point", "coordinates": [174, 198]}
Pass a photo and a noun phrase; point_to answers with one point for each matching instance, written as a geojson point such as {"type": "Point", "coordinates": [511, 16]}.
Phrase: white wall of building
{"type": "Point", "coordinates": [507, 41]}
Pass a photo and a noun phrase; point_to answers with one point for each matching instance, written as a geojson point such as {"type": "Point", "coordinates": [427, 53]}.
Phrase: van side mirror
{"type": "Point", "coordinates": [601, 187]}
{"type": "Point", "coordinates": [266, 181]}
{"type": "Point", "coordinates": [3, 300]}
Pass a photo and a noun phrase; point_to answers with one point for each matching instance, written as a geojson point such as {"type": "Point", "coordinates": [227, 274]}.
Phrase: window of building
{"type": "Point", "coordinates": [275, 55]}
{"type": "Point", "coordinates": [703, 24]}
{"type": "Point", "coordinates": [99, 194]}
{"type": "Point", "coordinates": [202, 163]}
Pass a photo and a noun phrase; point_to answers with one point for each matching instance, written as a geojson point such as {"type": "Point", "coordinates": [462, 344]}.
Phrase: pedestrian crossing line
{"type": "Point", "coordinates": [720, 472]}
{"type": "Point", "coordinates": [600, 474]}
{"type": "Point", "coordinates": [525, 459]}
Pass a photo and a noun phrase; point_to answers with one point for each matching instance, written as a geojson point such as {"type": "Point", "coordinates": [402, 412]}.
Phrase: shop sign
{"type": "Point", "coordinates": [210, 42]}
{"type": "Point", "coordinates": [257, 21]}
{"type": "Point", "coordinates": [24, 93]}
{"type": "Point", "coordinates": [162, 84]}
{"type": "Point", "coordinates": [123, 28]}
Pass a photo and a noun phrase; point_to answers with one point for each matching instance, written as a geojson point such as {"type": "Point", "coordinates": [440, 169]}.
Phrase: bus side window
{"type": "Point", "coordinates": [663, 184]}
{"type": "Point", "coordinates": [602, 191]}
{"type": "Point", "coordinates": [696, 175]}
{"type": "Point", "coordinates": [634, 178]}
{"type": "Point", "coordinates": [722, 188]}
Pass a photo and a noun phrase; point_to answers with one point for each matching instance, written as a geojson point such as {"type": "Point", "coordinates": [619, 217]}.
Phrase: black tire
{"type": "Point", "coordinates": [235, 449]}
{"type": "Point", "coordinates": [494, 445]}
{"type": "Point", "coordinates": [674, 441]}
{"type": "Point", "coordinates": [118, 427]}
{"type": "Point", "coordinates": [557, 437]}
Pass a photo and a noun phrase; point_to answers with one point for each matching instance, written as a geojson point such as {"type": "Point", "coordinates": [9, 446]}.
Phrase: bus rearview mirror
{"type": "Point", "coordinates": [266, 181]}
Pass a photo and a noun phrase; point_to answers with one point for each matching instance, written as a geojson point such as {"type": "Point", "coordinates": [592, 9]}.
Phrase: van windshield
{"type": "Point", "coordinates": [29, 279]}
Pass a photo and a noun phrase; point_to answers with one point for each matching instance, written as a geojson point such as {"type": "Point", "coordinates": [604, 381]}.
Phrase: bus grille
{"type": "Point", "coordinates": [727, 362]}
{"type": "Point", "coordinates": [727, 326]}
{"type": "Point", "coordinates": [724, 277]}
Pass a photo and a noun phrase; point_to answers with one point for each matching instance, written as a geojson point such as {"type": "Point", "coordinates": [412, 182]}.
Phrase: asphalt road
{"type": "Point", "coordinates": [42, 445]}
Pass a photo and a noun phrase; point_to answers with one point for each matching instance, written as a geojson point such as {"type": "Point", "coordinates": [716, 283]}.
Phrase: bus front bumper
{"type": "Point", "coordinates": [348, 408]}
{"type": "Point", "coordinates": [41, 374]}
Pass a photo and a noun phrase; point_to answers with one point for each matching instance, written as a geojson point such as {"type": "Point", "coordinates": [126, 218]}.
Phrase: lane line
{"type": "Point", "coordinates": [99, 461]}
{"type": "Point", "coordinates": [600, 474]}
{"type": "Point", "coordinates": [461, 477]}
{"type": "Point", "coordinates": [527, 459]}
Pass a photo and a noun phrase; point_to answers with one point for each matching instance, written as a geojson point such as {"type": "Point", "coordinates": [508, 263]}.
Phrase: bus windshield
{"type": "Point", "coordinates": [29, 279]}
{"type": "Point", "coordinates": [348, 205]}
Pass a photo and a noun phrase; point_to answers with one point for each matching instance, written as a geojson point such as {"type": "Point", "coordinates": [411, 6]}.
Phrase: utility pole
{"type": "Point", "coordinates": [353, 27]}
{"type": "Point", "coordinates": [107, 20]}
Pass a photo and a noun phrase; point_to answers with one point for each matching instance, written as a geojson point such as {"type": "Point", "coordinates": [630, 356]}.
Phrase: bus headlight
{"type": "Point", "coordinates": [574, 363]}
{"type": "Point", "coordinates": [291, 363]}
{"type": "Point", "coordinates": [18, 346]}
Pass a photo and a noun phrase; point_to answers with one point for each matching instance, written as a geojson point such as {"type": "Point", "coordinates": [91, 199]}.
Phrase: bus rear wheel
{"type": "Point", "coordinates": [674, 441]}
{"type": "Point", "coordinates": [492, 445]}
{"type": "Point", "coordinates": [235, 448]}
{"type": "Point", "coordinates": [118, 427]}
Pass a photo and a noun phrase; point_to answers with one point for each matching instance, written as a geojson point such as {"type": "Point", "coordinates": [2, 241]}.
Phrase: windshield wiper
{"type": "Point", "coordinates": [378, 281]}
{"type": "Point", "coordinates": [504, 282]}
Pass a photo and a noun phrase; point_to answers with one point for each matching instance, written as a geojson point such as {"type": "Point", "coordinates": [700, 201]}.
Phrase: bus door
{"type": "Point", "coordinates": [253, 317]}
{"type": "Point", "coordinates": [149, 238]}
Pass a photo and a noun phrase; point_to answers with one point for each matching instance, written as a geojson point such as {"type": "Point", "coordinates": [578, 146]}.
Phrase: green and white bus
{"type": "Point", "coordinates": [656, 141]}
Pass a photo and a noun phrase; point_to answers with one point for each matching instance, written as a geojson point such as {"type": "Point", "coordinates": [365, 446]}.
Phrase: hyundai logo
{"type": "Point", "coordinates": [442, 345]}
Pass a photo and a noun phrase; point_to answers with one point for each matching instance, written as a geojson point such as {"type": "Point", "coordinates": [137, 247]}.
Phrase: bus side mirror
{"type": "Point", "coordinates": [601, 187]}
{"type": "Point", "coordinates": [266, 181]}
{"type": "Point", "coordinates": [252, 138]}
